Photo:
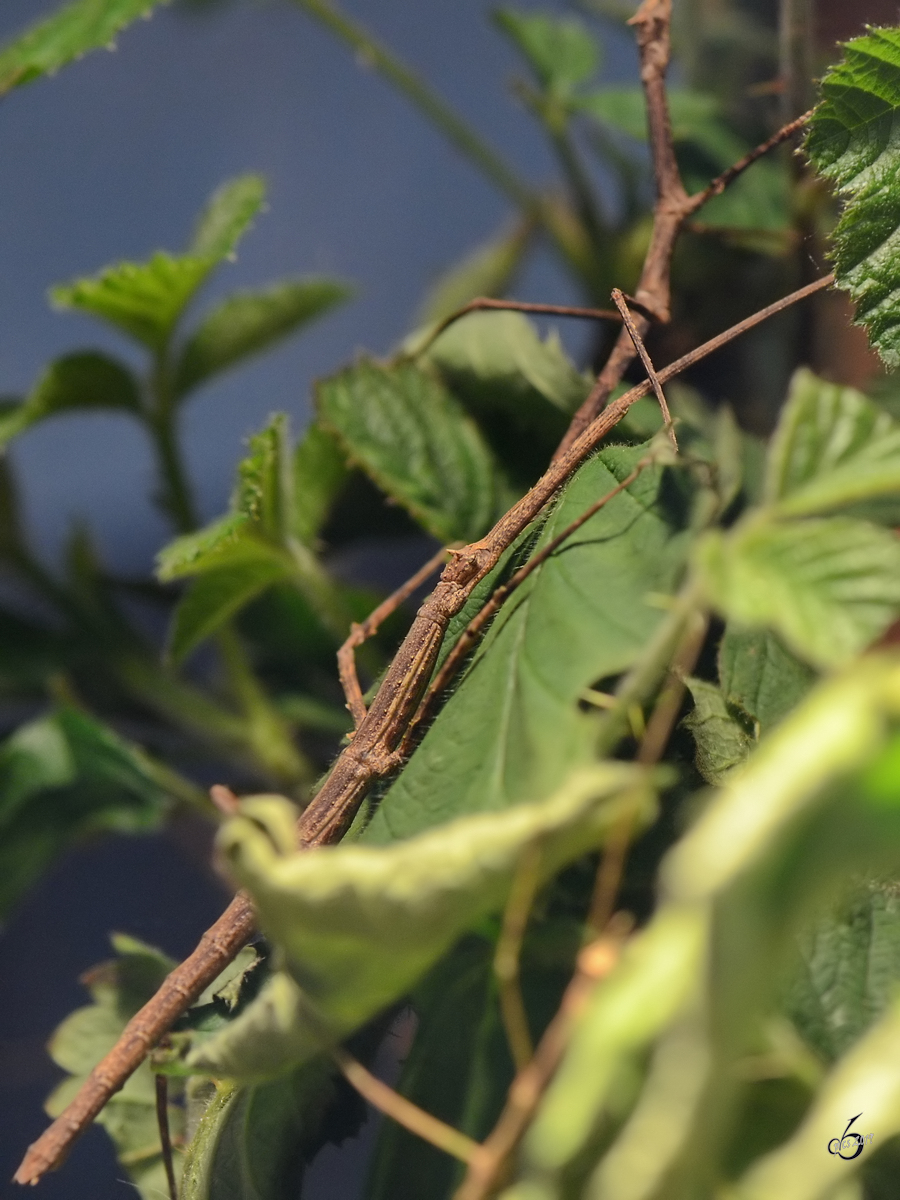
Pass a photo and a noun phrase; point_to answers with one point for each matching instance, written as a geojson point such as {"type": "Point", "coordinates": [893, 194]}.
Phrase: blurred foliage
{"type": "Point", "coordinates": [753, 1011]}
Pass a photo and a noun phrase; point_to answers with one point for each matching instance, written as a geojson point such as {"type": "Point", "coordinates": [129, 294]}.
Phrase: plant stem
{"type": "Point", "coordinates": [373, 53]}
{"type": "Point", "coordinates": [175, 497]}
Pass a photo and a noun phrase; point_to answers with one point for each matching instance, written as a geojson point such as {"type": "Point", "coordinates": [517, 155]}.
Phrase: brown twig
{"type": "Point", "coordinates": [638, 342]}
{"type": "Point", "coordinates": [224, 799]}
{"type": "Point", "coordinates": [721, 182]}
{"type": "Point", "coordinates": [508, 954]}
{"type": "Point", "coordinates": [371, 755]}
{"type": "Point", "coordinates": [487, 1162]}
{"type": "Point", "coordinates": [165, 1140]}
{"type": "Point", "coordinates": [403, 1111]}
{"type": "Point", "coordinates": [487, 303]}
{"type": "Point", "coordinates": [360, 633]}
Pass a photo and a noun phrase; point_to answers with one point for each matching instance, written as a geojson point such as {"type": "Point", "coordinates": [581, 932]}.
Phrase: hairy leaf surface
{"type": "Point", "coordinates": [833, 447]}
{"type": "Point", "coordinates": [415, 441]}
{"type": "Point", "coordinates": [760, 677]}
{"type": "Point", "coordinates": [829, 587]}
{"type": "Point", "coordinates": [512, 728]}
{"type": "Point", "coordinates": [69, 33]}
{"type": "Point", "coordinates": [852, 141]}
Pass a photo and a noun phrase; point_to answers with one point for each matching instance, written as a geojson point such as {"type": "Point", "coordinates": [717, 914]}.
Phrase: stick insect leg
{"type": "Point", "coordinates": [634, 334]}
{"type": "Point", "coordinates": [360, 633]}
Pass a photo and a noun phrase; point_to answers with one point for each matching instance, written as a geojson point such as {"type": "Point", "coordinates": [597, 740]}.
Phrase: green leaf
{"type": "Point", "coordinates": [248, 322]}
{"type": "Point", "coordinates": [828, 587]}
{"type": "Point", "coordinates": [560, 50]}
{"type": "Point", "coordinates": [227, 217]}
{"type": "Point", "coordinates": [254, 1143]}
{"type": "Point", "coordinates": [68, 34]}
{"type": "Point", "coordinates": [486, 271]}
{"type": "Point", "coordinates": [216, 596]}
{"type": "Point", "coordinates": [264, 485]}
{"type": "Point", "coordinates": [320, 471]}
{"type": "Point", "coordinates": [490, 351]}
{"type": "Point", "coordinates": [696, 117]}
{"type": "Point", "coordinates": [849, 970]}
{"type": "Point", "coordinates": [512, 728]}
{"type": "Point", "coordinates": [118, 989]}
{"type": "Point", "coordinates": [722, 741]}
{"type": "Point", "coordinates": [760, 677]}
{"type": "Point", "coordinates": [414, 440]}
{"type": "Point", "coordinates": [75, 382]}
{"type": "Point", "coordinates": [146, 300]}
{"type": "Point", "coordinates": [61, 777]}
{"type": "Point", "coordinates": [851, 142]}
{"type": "Point", "coordinates": [864, 1082]}
{"type": "Point", "coordinates": [833, 447]}
{"type": "Point", "coordinates": [358, 925]}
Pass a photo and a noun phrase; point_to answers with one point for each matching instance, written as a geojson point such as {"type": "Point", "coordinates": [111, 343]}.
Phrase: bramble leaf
{"type": "Point", "coordinates": [147, 299]}
{"type": "Point", "coordinates": [852, 142]}
{"type": "Point", "coordinates": [760, 677]}
{"type": "Point", "coordinates": [359, 924]}
{"type": "Point", "coordinates": [722, 741]}
{"type": "Point", "coordinates": [219, 594]}
{"type": "Point", "coordinates": [513, 726]}
{"type": "Point", "coordinates": [828, 587]}
{"type": "Point", "coordinates": [560, 50]}
{"type": "Point", "coordinates": [63, 776]}
{"type": "Point", "coordinates": [833, 447]}
{"type": "Point", "coordinates": [75, 382]}
{"type": "Point", "coordinates": [119, 988]}
{"type": "Point", "coordinates": [249, 322]}
{"type": "Point", "coordinates": [320, 470]}
{"type": "Point", "coordinates": [414, 440]}
{"type": "Point", "coordinates": [69, 33]}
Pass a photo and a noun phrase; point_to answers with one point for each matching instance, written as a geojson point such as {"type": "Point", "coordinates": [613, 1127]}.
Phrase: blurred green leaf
{"type": "Point", "coordinates": [227, 216]}
{"type": "Point", "coordinates": [75, 382]}
{"type": "Point", "coordinates": [320, 471]}
{"type": "Point", "coordinates": [833, 447]}
{"type": "Point", "coordinates": [247, 323]}
{"type": "Point", "coordinates": [828, 587]}
{"type": "Point", "coordinates": [61, 777]}
{"type": "Point", "coordinates": [216, 596]}
{"type": "Point", "coordinates": [486, 271]}
{"type": "Point", "coordinates": [721, 739]}
{"type": "Point", "coordinates": [849, 970]}
{"type": "Point", "coordinates": [696, 116]}
{"type": "Point", "coordinates": [228, 540]}
{"type": "Point", "coordinates": [69, 33]}
{"type": "Point", "coordinates": [360, 924]}
{"type": "Point", "coordinates": [118, 989]}
{"type": "Point", "coordinates": [512, 727]}
{"type": "Point", "coordinates": [560, 50]}
{"type": "Point", "coordinates": [147, 299]}
{"type": "Point", "coordinates": [415, 441]}
{"type": "Point", "coordinates": [759, 676]}
{"type": "Point", "coordinates": [851, 142]}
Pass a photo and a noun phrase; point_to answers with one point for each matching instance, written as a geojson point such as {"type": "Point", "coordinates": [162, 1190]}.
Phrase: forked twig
{"type": "Point", "coordinates": [638, 341]}
{"type": "Point", "coordinates": [403, 1111]}
{"type": "Point", "coordinates": [487, 303]}
{"type": "Point", "coordinates": [360, 633]}
{"type": "Point", "coordinates": [370, 755]}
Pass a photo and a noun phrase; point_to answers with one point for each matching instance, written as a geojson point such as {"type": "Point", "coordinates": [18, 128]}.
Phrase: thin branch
{"type": "Point", "coordinates": [489, 1159]}
{"type": "Point", "coordinates": [368, 756]}
{"type": "Point", "coordinates": [482, 303]}
{"type": "Point", "coordinates": [374, 54]}
{"type": "Point", "coordinates": [360, 633]}
{"type": "Point", "coordinates": [165, 1139]}
{"type": "Point", "coordinates": [403, 1111]}
{"type": "Point", "coordinates": [509, 950]}
{"type": "Point", "coordinates": [721, 182]}
{"type": "Point", "coordinates": [638, 341]}
{"type": "Point", "coordinates": [653, 292]}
